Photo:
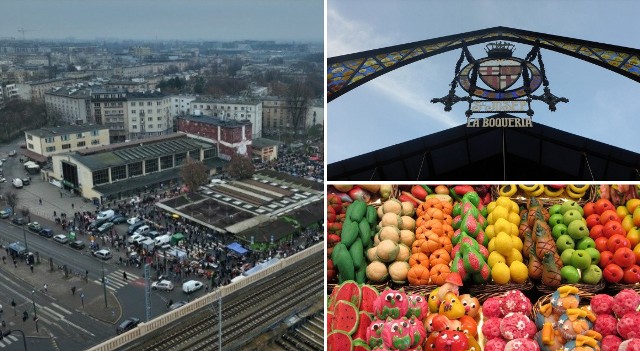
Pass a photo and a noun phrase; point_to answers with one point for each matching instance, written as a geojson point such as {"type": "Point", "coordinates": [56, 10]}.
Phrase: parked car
{"type": "Point", "coordinates": [78, 244]}
{"type": "Point", "coordinates": [6, 213]}
{"type": "Point", "coordinates": [117, 219]}
{"type": "Point", "coordinates": [105, 214]}
{"type": "Point", "coordinates": [61, 238]}
{"type": "Point", "coordinates": [176, 305]}
{"type": "Point", "coordinates": [191, 286]}
{"type": "Point", "coordinates": [46, 232]}
{"type": "Point", "coordinates": [3, 180]}
{"type": "Point", "coordinates": [136, 238]}
{"type": "Point", "coordinates": [162, 285]}
{"type": "Point", "coordinates": [12, 153]}
{"type": "Point", "coordinates": [18, 220]}
{"type": "Point", "coordinates": [132, 228]}
{"type": "Point", "coordinates": [97, 223]}
{"type": "Point", "coordinates": [133, 220]}
{"type": "Point", "coordinates": [127, 325]}
{"type": "Point", "coordinates": [34, 227]}
{"type": "Point", "coordinates": [17, 183]}
{"type": "Point", "coordinates": [26, 180]}
{"type": "Point", "coordinates": [103, 254]}
{"type": "Point", "coordinates": [105, 227]}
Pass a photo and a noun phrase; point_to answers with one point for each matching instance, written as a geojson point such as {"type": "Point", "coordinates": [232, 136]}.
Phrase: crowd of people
{"type": "Point", "coordinates": [303, 161]}
{"type": "Point", "coordinates": [202, 252]}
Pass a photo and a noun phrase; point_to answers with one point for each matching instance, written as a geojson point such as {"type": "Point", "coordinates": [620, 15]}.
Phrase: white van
{"type": "Point", "coordinates": [191, 286]}
{"type": "Point", "coordinates": [162, 239]}
{"type": "Point", "coordinates": [142, 230]}
{"type": "Point", "coordinates": [105, 214]}
{"type": "Point", "coordinates": [17, 183]}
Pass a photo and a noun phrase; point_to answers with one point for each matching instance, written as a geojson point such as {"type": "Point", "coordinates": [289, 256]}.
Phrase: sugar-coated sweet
{"type": "Point", "coordinates": [606, 324]}
{"type": "Point", "coordinates": [496, 344]}
{"type": "Point", "coordinates": [522, 344]}
{"type": "Point", "coordinates": [611, 343]}
{"type": "Point", "coordinates": [602, 304]}
{"type": "Point", "coordinates": [491, 307]}
{"type": "Point", "coordinates": [629, 326]}
{"type": "Point", "coordinates": [630, 345]}
{"type": "Point", "coordinates": [516, 325]}
{"type": "Point", "coordinates": [625, 301]}
{"type": "Point", "coordinates": [491, 328]}
{"type": "Point", "coordinates": [515, 301]}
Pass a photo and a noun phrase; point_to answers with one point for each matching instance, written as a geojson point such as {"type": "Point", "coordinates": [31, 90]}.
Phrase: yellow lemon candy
{"type": "Point", "coordinates": [503, 201]}
{"type": "Point", "coordinates": [515, 230]}
{"type": "Point", "coordinates": [632, 204]}
{"type": "Point", "coordinates": [501, 273]}
{"type": "Point", "coordinates": [504, 244]}
{"type": "Point", "coordinates": [499, 212]}
{"type": "Point", "coordinates": [517, 243]}
{"type": "Point", "coordinates": [622, 211]}
{"type": "Point", "coordinates": [515, 256]}
{"type": "Point", "coordinates": [627, 223]}
{"type": "Point", "coordinates": [491, 233]}
{"type": "Point", "coordinates": [519, 272]}
{"type": "Point", "coordinates": [502, 225]}
{"type": "Point", "coordinates": [492, 245]}
{"type": "Point", "coordinates": [495, 257]}
{"type": "Point", "coordinates": [514, 218]}
{"type": "Point", "coordinates": [514, 207]}
{"type": "Point", "coordinates": [491, 206]}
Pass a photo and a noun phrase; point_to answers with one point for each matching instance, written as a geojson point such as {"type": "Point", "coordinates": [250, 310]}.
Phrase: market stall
{"type": "Point", "coordinates": [508, 267]}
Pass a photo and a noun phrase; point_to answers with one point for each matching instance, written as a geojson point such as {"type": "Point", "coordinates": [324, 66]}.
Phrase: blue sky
{"type": "Point", "coordinates": [222, 20]}
{"type": "Point", "coordinates": [395, 107]}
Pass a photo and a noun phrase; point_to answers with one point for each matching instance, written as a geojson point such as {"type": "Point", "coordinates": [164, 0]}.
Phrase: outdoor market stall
{"type": "Point", "coordinates": [508, 267]}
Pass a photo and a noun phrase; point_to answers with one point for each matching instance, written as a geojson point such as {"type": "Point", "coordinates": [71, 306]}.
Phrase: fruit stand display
{"type": "Point", "coordinates": [409, 267]}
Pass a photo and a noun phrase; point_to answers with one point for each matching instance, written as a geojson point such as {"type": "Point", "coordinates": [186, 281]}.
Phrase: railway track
{"type": "Point", "coordinates": [245, 311]}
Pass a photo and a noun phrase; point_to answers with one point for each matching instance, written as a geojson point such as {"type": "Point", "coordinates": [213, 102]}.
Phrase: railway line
{"type": "Point", "coordinates": [243, 314]}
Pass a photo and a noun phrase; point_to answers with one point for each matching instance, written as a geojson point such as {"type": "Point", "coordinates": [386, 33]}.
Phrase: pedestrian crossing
{"type": "Point", "coordinates": [8, 340]}
{"type": "Point", "coordinates": [115, 280]}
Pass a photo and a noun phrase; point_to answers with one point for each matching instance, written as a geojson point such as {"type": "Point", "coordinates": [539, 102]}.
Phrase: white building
{"type": "Point", "coordinates": [239, 110]}
{"type": "Point", "coordinates": [72, 104]}
{"type": "Point", "coordinates": [149, 114]}
{"type": "Point", "coordinates": [180, 105]}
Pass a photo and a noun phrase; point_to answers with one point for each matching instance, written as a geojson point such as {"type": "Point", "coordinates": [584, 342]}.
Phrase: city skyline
{"type": "Point", "coordinates": [146, 20]}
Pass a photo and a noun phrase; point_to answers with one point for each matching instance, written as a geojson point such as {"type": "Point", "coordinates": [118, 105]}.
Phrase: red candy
{"type": "Point", "coordinates": [630, 345]}
{"type": "Point", "coordinates": [515, 326]}
{"type": "Point", "coordinates": [611, 343]}
{"type": "Point", "coordinates": [491, 328]}
{"type": "Point", "coordinates": [625, 301]}
{"type": "Point", "coordinates": [522, 344]}
{"type": "Point", "coordinates": [628, 325]}
{"type": "Point", "coordinates": [606, 324]}
{"type": "Point", "coordinates": [602, 304]}
{"type": "Point", "coordinates": [491, 307]}
{"type": "Point", "coordinates": [497, 344]}
{"type": "Point", "coordinates": [515, 301]}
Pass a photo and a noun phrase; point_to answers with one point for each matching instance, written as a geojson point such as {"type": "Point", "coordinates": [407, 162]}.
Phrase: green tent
{"type": "Point", "coordinates": [175, 238]}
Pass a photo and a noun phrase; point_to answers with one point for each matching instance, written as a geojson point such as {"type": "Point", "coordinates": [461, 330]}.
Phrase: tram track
{"type": "Point", "coordinates": [245, 310]}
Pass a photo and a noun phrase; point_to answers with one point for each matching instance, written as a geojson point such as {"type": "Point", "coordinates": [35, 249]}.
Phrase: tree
{"type": "Point", "coordinates": [198, 88]}
{"type": "Point", "coordinates": [298, 100]}
{"type": "Point", "coordinates": [12, 200]}
{"type": "Point", "coordinates": [194, 174]}
{"type": "Point", "coordinates": [240, 167]}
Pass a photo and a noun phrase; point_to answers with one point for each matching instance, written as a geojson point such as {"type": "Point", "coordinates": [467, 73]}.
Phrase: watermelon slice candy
{"type": "Point", "coordinates": [369, 294]}
{"type": "Point", "coordinates": [339, 341]}
{"type": "Point", "coordinates": [345, 317]}
{"type": "Point", "coordinates": [348, 291]}
{"type": "Point", "coordinates": [364, 321]}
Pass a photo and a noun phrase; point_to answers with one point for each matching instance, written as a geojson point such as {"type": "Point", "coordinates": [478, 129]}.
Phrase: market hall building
{"type": "Point", "coordinates": [501, 146]}
{"type": "Point", "coordinates": [126, 169]}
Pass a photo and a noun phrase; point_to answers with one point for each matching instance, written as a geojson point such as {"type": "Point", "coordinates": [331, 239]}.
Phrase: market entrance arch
{"type": "Point", "coordinates": [485, 153]}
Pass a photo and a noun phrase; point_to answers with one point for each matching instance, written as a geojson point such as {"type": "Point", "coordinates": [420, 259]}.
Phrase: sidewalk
{"type": "Point", "coordinates": [58, 292]}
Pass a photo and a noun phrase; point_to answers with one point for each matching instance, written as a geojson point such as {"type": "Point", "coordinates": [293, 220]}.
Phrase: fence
{"type": "Point", "coordinates": [202, 302]}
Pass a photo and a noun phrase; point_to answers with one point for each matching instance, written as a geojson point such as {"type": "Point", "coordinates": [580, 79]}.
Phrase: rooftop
{"type": "Point", "coordinates": [230, 101]}
{"type": "Point", "coordinates": [215, 121]}
{"type": "Point", "coordinates": [70, 92]}
{"type": "Point", "coordinates": [63, 130]}
{"type": "Point", "coordinates": [264, 142]}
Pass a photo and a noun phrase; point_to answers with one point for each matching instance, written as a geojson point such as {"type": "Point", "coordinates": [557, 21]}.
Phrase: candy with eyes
{"type": "Point", "coordinates": [450, 340]}
{"type": "Point", "coordinates": [391, 303]}
{"type": "Point", "coordinates": [418, 332]}
{"type": "Point", "coordinates": [451, 306]}
{"type": "Point", "coordinates": [418, 306]}
{"type": "Point", "coordinates": [471, 305]}
{"type": "Point", "coordinates": [434, 301]}
{"type": "Point", "coordinates": [396, 334]}
{"type": "Point", "coordinates": [374, 333]}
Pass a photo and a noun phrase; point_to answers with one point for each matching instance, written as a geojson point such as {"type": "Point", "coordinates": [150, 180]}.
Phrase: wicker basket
{"type": "Point", "coordinates": [587, 288]}
{"type": "Point", "coordinates": [521, 198]}
{"type": "Point", "coordinates": [616, 288]}
{"type": "Point", "coordinates": [585, 298]}
{"type": "Point", "coordinates": [485, 291]}
{"type": "Point", "coordinates": [415, 289]}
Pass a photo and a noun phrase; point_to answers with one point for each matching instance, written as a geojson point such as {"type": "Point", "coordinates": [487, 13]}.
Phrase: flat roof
{"type": "Point", "coordinates": [264, 142]}
{"type": "Point", "coordinates": [216, 121]}
{"type": "Point", "coordinates": [45, 132]}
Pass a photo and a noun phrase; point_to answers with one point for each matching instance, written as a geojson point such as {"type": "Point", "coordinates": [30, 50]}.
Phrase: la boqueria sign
{"type": "Point", "coordinates": [500, 122]}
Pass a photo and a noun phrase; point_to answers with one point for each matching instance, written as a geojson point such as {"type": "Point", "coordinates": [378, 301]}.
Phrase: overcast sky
{"type": "Point", "coordinates": [223, 20]}
{"type": "Point", "coordinates": [395, 107]}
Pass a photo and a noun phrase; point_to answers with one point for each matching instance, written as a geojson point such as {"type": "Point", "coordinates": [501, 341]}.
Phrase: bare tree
{"type": "Point", "coordinates": [12, 200]}
{"type": "Point", "coordinates": [240, 167]}
{"type": "Point", "coordinates": [298, 100]}
{"type": "Point", "coordinates": [194, 174]}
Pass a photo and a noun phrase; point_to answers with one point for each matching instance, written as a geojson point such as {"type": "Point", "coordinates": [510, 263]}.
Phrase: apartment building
{"type": "Point", "coordinates": [149, 114]}
{"type": "Point", "coordinates": [49, 141]}
{"type": "Point", "coordinates": [180, 105]}
{"type": "Point", "coordinates": [229, 136]}
{"type": "Point", "coordinates": [108, 109]}
{"type": "Point", "coordinates": [72, 105]}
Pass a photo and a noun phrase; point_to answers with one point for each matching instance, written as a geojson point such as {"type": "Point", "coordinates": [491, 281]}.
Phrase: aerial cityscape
{"type": "Point", "coordinates": [161, 175]}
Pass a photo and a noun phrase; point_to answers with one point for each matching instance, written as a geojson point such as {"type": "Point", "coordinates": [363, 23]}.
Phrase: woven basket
{"type": "Point", "coordinates": [587, 288]}
{"type": "Point", "coordinates": [585, 298]}
{"type": "Point", "coordinates": [616, 288]}
{"type": "Point", "coordinates": [415, 289]}
{"type": "Point", "coordinates": [485, 291]}
{"type": "Point", "coordinates": [521, 198]}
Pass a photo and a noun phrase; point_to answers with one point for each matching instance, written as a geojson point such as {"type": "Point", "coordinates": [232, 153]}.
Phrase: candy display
{"type": "Point", "coordinates": [477, 267]}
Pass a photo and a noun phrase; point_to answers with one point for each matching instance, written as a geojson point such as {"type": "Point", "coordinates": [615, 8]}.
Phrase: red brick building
{"type": "Point", "coordinates": [230, 136]}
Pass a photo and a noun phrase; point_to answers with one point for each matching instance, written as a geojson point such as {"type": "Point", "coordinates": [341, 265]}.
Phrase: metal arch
{"type": "Point", "coordinates": [347, 72]}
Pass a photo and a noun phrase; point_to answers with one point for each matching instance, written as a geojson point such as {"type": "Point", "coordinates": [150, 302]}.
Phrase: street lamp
{"type": "Point", "coordinates": [104, 286]}
{"type": "Point", "coordinates": [24, 234]}
{"type": "Point", "coordinates": [35, 311]}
